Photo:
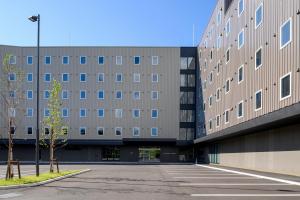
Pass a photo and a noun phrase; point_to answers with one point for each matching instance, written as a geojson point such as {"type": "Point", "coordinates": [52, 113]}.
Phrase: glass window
{"type": "Point", "coordinates": [155, 60]}
{"type": "Point", "coordinates": [241, 39]}
{"type": "Point", "coordinates": [258, 58]}
{"type": "Point", "coordinates": [12, 77]}
{"type": "Point", "coordinates": [47, 60]}
{"type": "Point", "coordinates": [241, 74]}
{"type": "Point", "coordinates": [29, 77]}
{"type": "Point", "coordinates": [191, 80]}
{"type": "Point", "coordinates": [190, 98]}
{"type": "Point", "coordinates": [191, 63]}
{"type": "Point", "coordinates": [259, 16]}
{"type": "Point", "coordinates": [154, 78]}
{"type": "Point", "coordinates": [219, 41]}
{"type": "Point", "coordinates": [183, 80]}
{"type": "Point", "coordinates": [154, 95]}
{"type": "Point", "coordinates": [100, 131]}
{"type": "Point", "coordinates": [65, 94]}
{"type": "Point", "coordinates": [154, 132]}
{"type": "Point", "coordinates": [29, 112]}
{"type": "Point", "coordinates": [154, 113]}
{"type": "Point", "coordinates": [101, 60]}
{"type": "Point", "coordinates": [258, 100]}
{"type": "Point", "coordinates": [29, 130]}
{"type": "Point", "coordinates": [65, 112]}
{"type": "Point", "coordinates": [65, 77]}
{"type": "Point", "coordinates": [119, 77]}
{"type": "Point", "coordinates": [82, 130]}
{"type": "Point", "coordinates": [136, 113]}
{"type": "Point", "coordinates": [46, 130]}
{"type": "Point", "coordinates": [82, 60]}
{"type": "Point", "coordinates": [119, 60]}
{"type": "Point", "coordinates": [65, 130]}
{"type": "Point", "coordinates": [46, 94]}
{"type": "Point", "coordinates": [101, 77]}
{"type": "Point", "coordinates": [47, 77]}
{"type": "Point", "coordinates": [12, 94]}
{"type": "Point", "coordinates": [136, 95]}
{"type": "Point", "coordinates": [218, 121]}
{"type": "Point", "coordinates": [226, 116]}
{"type": "Point", "coordinates": [227, 56]}
{"type": "Point", "coordinates": [29, 60]}
{"type": "Point", "coordinates": [118, 94]}
{"type": "Point", "coordinates": [65, 60]}
{"type": "Point", "coordinates": [210, 124]}
{"type": "Point", "coordinates": [218, 94]}
{"type": "Point", "coordinates": [183, 97]}
{"type": "Point", "coordinates": [136, 78]}
{"type": "Point", "coordinates": [286, 33]}
{"type": "Point", "coordinates": [285, 86]}
{"type": "Point", "coordinates": [184, 63]}
{"type": "Point", "coordinates": [82, 94]}
{"type": "Point", "coordinates": [210, 100]}
{"type": "Point", "coordinates": [118, 131]}
{"type": "Point", "coordinates": [118, 113]}
{"type": "Point", "coordinates": [241, 7]}
{"type": "Point", "coordinates": [12, 60]}
{"type": "Point", "coordinates": [101, 112]}
{"type": "Point", "coordinates": [227, 86]}
{"type": "Point", "coordinates": [46, 112]}
{"type": "Point", "coordinates": [136, 131]}
{"type": "Point", "coordinates": [29, 94]}
{"type": "Point", "coordinates": [137, 60]}
{"type": "Point", "coordinates": [101, 94]}
{"type": "Point", "coordinates": [227, 27]}
{"type": "Point", "coordinates": [240, 110]}
{"type": "Point", "coordinates": [219, 17]}
{"type": "Point", "coordinates": [82, 112]}
{"type": "Point", "coordinates": [82, 77]}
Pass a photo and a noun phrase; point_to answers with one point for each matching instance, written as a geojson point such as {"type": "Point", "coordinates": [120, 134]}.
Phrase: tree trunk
{"type": "Point", "coordinates": [10, 172]}
{"type": "Point", "coordinates": [51, 151]}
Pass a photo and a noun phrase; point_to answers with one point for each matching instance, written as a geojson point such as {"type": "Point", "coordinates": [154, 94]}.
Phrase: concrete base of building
{"type": "Point", "coordinates": [275, 150]}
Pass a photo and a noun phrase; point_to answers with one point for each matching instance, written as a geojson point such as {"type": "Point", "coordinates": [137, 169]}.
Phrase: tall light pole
{"type": "Point", "coordinates": [35, 18]}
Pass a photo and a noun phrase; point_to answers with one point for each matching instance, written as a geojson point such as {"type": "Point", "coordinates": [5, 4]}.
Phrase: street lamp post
{"type": "Point", "coordinates": [35, 18]}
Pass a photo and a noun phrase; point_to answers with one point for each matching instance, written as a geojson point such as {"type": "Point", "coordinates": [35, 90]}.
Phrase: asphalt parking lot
{"type": "Point", "coordinates": [160, 182]}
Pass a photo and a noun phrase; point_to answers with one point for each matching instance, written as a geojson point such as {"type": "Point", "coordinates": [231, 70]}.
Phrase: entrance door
{"type": "Point", "coordinates": [149, 154]}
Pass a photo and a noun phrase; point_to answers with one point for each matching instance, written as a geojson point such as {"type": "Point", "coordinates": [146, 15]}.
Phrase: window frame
{"type": "Point", "coordinates": [99, 60]}
{"type": "Point", "coordinates": [121, 111]}
{"type": "Point", "coordinates": [226, 92]}
{"type": "Point", "coordinates": [85, 60]}
{"type": "Point", "coordinates": [133, 113]}
{"type": "Point", "coordinates": [218, 98]}
{"type": "Point", "coordinates": [241, 12]}
{"type": "Point", "coordinates": [102, 74]}
{"type": "Point", "coordinates": [153, 110]}
{"type": "Point", "coordinates": [153, 75]}
{"type": "Point", "coordinates": [228, 50]}
{"type": "Point", "coordinates": [243, 77]}
{"type": "Point", "coordinates": [27, 75]}
{"type": "Point", "coordinates": [291, 33]}
{"type": "Point", "coordinates": [226, 113]}
{"type": "Point", "coordinates": [62, 94]}
{"type": "Point", "coordinates": [27, 130]}
{"type": "Point", "coordinates": [62, 77]}
{"type": "Point", "coordinates": [100, 128]}
{"type": "Point", "coordinates": [133, 95]}
{"type": "Point", "coordinates": [102, 95]}
{"type": "Point", "coordinates": [27, 94]}
{"type": "Point", "coordinates": [27, 111]}
{"type": "Point", "coordinates": [227, 30]}
{"type": "Point", "coordinates": [85, 113]}
{"type": "Point", "coordinates": [280, 88]}
{"type": "Point", "coordinates": [116, 96]}
{"type": "Point", "coordinates": [121, 60]}
{"type": "Point", "coordinates": [258, 67]}
{"type": "Point", "coordinates": [68, 59]}
{"type": "Point", "coordinates": [152, 61]}
{"type": "Point", "coordinates": [82, 128]}
{"type": "Point", "coordinates": [62, 112]}
{"type": "Point", "coordinates": [27, 59]}
{"type": "Point", "coordinates": [136, 75]}
{"type": "Point", "coordinates": [136, 128]}
{"type": "Point", "coordinates": [154, 128]}
{"type": "Point", "coordinates": [85, 77]}
{"type": "Point", "coordinates": [45, 75]}
{"type": "Point", "coordinates": [241, 45]}
{"type": "Point", "coordinates": [120, 129]}
{"type": "Point", "coordinates": [238, 107]}
{"type": "Point", "coordinates": [262, 15]}
{"type": "Point", "coordinates": [45, 61]}
{"type": "Point", "coordinates": [139, 59]}
{"type": "Point", "coordinates": [255, 101]}
{"type": "Point", "coordinates": [157, 96]}
{"type": "Point", "coordinates": [116, 78]}
{"type": "Point", "coordinates": [101, 109]}
{"type": "Point", "coordinates": [85, 94]}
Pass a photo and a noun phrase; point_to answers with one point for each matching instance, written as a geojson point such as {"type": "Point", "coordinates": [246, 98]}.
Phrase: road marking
{"type": "Point", "coordinates": [9, 195]}
{"type": "Point", "coordinates": [230, 184]}
{"type": "Point", "coordinates": [205, 177]}
{"type": "Point", "coordinates": [253, 175]}
{"type": "Point", "coordinates": [245, 195]}
{"type": "Point", "coordinates": [205, 174]}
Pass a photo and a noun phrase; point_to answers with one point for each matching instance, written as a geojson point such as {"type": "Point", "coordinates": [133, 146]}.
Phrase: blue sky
{"type": "Point", "coordinates": [105, 22]}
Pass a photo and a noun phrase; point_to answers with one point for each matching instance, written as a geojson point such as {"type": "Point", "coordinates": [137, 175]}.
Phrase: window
{"type": "Point", "coordinates": [210, 125]}
{"type": "Point", "coordinates": [219, 41]}
{"type": "Point", "coordinates": [286, 33]}
{"type": "Point", "coordinates": [204, 85]}
{"type": "Point", "coordinates": [241, 7]}
{"type": "Point", "coordinates": [47, 77]}
{"type": "Point", "coordinates": [227, 86]}
{"type": "Point", "coordinates": [155, 60]}
{"type": "Point", "coordinates": [101, 60]}
{"type": "Point", "coordinates": [258, 100]}
{"type": "Point", "coordinates": [211, 55]}
{"type": "Point", "coordinates": [219, 17]}
{"type": "Point", "coordinates": [191, 63]}
{"type": "Point", "coordinates": [218, 120]}
{"type": "Point", "coordinates": [227, 55]}
{"type": "Point", "coordinates": [118, 131]}
{"type": "Point", "coordinates": [12, 76]}
{"type": "Point", "coordinates": [82, 130]}
{"type": "Point", "coordinates": [65, 94]}
{"type": "Point", "coordinates": [226, 117]}
{"type": "Point", "coordinates": [29, 94]}
{"type": "Point", "coordinates": [136, 95]}
{"type": "Point", "coordinates": [118, 113]}
{"type": "Point", "coordinates": [154, 113]}
{"type": "Point", "coordinates": [240, 110]}
{"type": "Point", "coordinates": [29, 130]}
{"type": "Point", "coordinates": [136, 78]}
{"type": "Point", "coordinates": [82, 77]}
{"type": "Point", "coordinates": [210, 77]}
{"type": "Point", "coordinates": [136, 113]}
{"type": "Point", "coordinates": [259, 16]}
{"type": "Point", "coordinates": [154, 78]}
{"type": "Point", "coordinates": [29, 77]}
{"type": "Point", "coordinates": [154, 131]}
{"type": "Point", "coordinates": [29, 112]}
{"type": "Point", "coordinates": [210, 100]}
{"type": "Point", "coordinates": [101, 113]}
{"type": "Point", "coordinates": [154, 95]}
{"type": "Point", "coordinates": [218, 94]}
{"type": "Point", "coordinates": [101, 94]}
{"type": "Point", "coordinates": [118, 95]}
{"type": "Point", "coordinates": [82, 60]}
{"type": "Point", "coordinates": [241, 39]}
{"type": "Point", "coordinates": [65, 112]}
{"type": "Point", "coordinates": [119, 78]}
{"type": "Point", "coordinates": [135, 131]}
{"type": "Point", "coordinates": [12, 60]}
{"type": "Point", "coordinates": [241, 74]}
{"type": "Point", "coordinates": [218, 67]}
{"type": "Point", "coordinates": [101, 77]}
{"type": "Point", "coordinates": [48, 60]}
{"type": "Point", "coordinates": [137, 60]}
{"type": "Point", "coordinates": [29, 60]}
{"type": "Point", "coordinates": [46, 112]}
{"type": "Point", "coordinates": [100, 131]}
{"type": "Point", "coordinates": [82, 94]}
{"type": "Point", "coordinates": [227, 27]}
{"type": "Point", "coordinates": [46, 130]}
{"type": "Point", "coordinates": [64, 130]}
{"type": "Point", "coordinates": [258, 58]}
{"type": "Point", "coordinates": [65, 77]}
{"type": "Point", "coordinates": [65, 60]}
{"type": "Point", "coordinates": [285, 86]}
{"type": "Point", "coordinates": [82, 112]}
{"type": "Point", "coordinates": [12, 94]}
{"type": "Point", "coordinates": [119, 60]}
{"type": "Point", "coordinates": [183, 63]}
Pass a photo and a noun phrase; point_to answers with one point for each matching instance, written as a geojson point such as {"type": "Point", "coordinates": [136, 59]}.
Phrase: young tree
{"type": "Point", "coordinates": [54, 123]}
{"type": "Point", "coordinates": [11, 95]}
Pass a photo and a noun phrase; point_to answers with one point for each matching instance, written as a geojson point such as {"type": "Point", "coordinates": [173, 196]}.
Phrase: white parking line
{"type": "Point", "coordinates": [245, 195]}
{"type": "Point", "coordinates": [9, 195]}
{"type": "Point", "coordinates": [206, 177]}
{"type": "Point", "coordinates": [253, 175]}
{"type": "Point", "coordinates": [230, 184]}
{"type": "Point", "coordinates": [204, 174]}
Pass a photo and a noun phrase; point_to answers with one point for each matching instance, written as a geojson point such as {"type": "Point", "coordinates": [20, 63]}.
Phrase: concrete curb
{"type": "Point", "coordinates": [42, 182]}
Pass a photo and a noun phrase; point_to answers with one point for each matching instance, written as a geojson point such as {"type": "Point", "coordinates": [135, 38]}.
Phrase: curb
{"type": "Point", "coordinates": [42, 182]}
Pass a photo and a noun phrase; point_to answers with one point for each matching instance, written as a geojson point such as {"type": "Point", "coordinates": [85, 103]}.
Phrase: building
{"type": "Point", "coordinates": [118, 103]}
{"type": "Point", "coordinates": [250, 73]}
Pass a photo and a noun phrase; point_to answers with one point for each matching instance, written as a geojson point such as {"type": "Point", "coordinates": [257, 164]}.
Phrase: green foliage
{"type": "Point", "coordinates": [35, 179]}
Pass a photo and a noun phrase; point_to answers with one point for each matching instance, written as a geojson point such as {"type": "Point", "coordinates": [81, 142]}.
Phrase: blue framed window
{"type": "Point", "coordinates": [65, 77]}
{"type": "Point", "coordinates": [65, 60]}
{"type": "Point", "coordinates": [100, 94]}
{"type": "Point", "coordinates": [154, 131]}
{"type": "Point", "coordinates": [82, 112]}
{"type": "Point", "coordinates": [82, 77]}
{"type": "Point", "coordinates": [47, 77]}
{"type": "Point", "coordinates": [82, 94]}
{"type": "Point", "coordinates": [101, 112]}
{"type": "Point", "coordinates": [29, 60]}
{"type": "Point", "coordinates": [154, 113]}
{"type": "Point", "coordinates": [82, 60]}
{"type": "Point", "coordinates": [286, 33]}
{"type": "Point", "coordinates": [29, 94]}
{"type": "Point", "coordinates": [48, 60]}
{"type": "Point", "coordinates": [29, 77]}
{"type": "Point", "coordinates": [137, 60]}
{"type": "Point", "coordinates": [12, 77]}
{"type": "Point", "coordinates": [101, 60]}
